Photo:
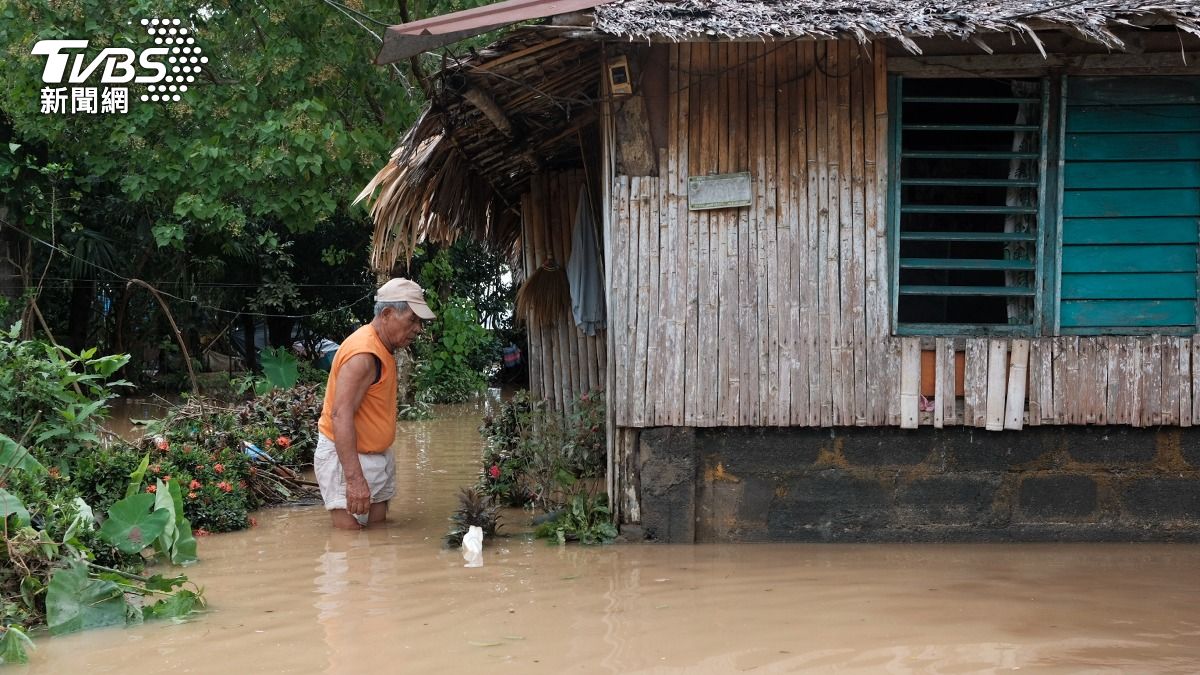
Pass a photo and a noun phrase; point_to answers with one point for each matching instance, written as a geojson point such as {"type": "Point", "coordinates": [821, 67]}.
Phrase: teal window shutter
{"type": "Point", "coordinates": [1131, 205]}
{"type": "Point", "coordinates": [966, 204]}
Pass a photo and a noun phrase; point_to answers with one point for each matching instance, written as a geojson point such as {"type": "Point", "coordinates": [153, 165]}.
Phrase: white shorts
{"type": "Point", "coordinates": [378, 468]}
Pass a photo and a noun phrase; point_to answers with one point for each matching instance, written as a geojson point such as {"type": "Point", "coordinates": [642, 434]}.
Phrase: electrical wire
{"type": "Point", "coordinates": [194, 301]}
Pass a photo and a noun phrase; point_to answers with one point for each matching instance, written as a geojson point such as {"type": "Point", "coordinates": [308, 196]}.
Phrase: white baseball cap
{"type": "Point", "coordinates": [404, 290]}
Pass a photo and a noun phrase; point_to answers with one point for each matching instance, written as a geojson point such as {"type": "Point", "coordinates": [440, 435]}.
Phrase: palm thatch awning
{"type": "Point", "coordinates": [497, 117]}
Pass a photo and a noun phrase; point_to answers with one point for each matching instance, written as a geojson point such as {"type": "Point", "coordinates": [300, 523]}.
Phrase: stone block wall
{"type": "Point", "coordinates": [960, 484]}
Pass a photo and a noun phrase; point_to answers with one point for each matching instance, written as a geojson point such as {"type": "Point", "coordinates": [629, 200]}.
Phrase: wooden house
{"type": "Point", "coordinates": [842, 243]}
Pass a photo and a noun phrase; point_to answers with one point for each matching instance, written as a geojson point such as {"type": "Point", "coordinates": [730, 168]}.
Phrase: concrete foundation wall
{"type": "Point", "coordinates": [870, 484]}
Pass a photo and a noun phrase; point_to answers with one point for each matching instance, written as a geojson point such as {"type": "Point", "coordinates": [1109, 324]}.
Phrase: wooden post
{"type": "Point", "coordinates": [1015, 400]}
{"type": "Point", "coordinates": [997, 364]}
{"type": "Point", "coordinates": [910, 383]}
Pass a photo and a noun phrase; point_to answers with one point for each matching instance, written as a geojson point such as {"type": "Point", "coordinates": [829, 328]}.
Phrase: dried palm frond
{"type": "Point", "coordinates": [545, 295]}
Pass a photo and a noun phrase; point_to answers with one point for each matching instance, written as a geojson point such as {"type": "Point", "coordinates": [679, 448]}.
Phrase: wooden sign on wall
{"type": "Point", "coordinates": [719, 191]}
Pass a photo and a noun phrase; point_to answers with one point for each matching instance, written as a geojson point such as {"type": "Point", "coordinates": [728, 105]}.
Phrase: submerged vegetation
{"type": "Point", "coordinates": [537, 458]}
{"type": "Point", "coordinates": [84, 513]}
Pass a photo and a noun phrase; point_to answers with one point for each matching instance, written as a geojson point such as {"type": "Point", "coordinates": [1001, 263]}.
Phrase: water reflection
{"type": "Point", "coordinates": [293, 595]}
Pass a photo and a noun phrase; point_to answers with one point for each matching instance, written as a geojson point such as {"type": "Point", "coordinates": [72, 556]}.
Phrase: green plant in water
{"type": "Point", "coordinates": [52, 397]}
{"type": "Point", "coordinates": [586, 519]}
{"type": "Point", "coordinates": [48, 569]}
{"type": "Point", "coordinates": [421, 407]}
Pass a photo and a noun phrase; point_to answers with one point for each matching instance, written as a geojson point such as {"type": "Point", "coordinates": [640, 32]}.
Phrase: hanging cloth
{"type": "Point", "coordinates": [583, 271]}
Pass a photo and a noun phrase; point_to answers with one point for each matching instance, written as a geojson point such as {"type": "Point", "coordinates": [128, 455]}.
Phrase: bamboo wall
{"type": "Point", "coordinates": [563, 362]}
{"type": "Point", "coordinates": [777, 314]}
{"type": "Point", "coordinates": [774, 314]}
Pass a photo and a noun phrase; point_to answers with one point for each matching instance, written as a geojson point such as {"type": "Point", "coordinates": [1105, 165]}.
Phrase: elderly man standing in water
{"type": "Point", "coordinates": [353, 460]}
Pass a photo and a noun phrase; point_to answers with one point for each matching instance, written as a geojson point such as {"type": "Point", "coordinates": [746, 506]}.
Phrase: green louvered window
{"type": "Point", "coordinates": [1131, 205]}
{"type": "Point", "coordinates": [967, 204]}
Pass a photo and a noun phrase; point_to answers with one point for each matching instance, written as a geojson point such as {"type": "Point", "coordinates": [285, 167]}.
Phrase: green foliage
{"type": "Point", "coordinates": [176, 541]}
{"type": "Point", "coordinates": [77, 601]}
{"type": "Point", "coordinates": [449, 351]}
{"type": "Point", "coordinates": [261, 144]}
{"type": "Point", "coordinates": [420, 408]}
{"type": "Point", "coordinates": [535, 456]}
{"type": "Point", "coordinates": [15, 457]}
{"type": "Point", "coordinates": [10, 505]}
{"type": "Point", "coordinates": [280, 368]}
{"type": "Point", "coordinates": [14, 645]}
{"type": "Point", "coordinates": [587, 519]}
{"type": "Point", "coordinates": [133, 523]}
{"type": "Point", "coordinates": [52, 396]}
{"type": "Point", "coordinates": [55, 564]}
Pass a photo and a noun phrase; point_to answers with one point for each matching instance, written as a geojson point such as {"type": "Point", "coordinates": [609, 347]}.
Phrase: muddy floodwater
{"type": "Point", "coordinates": [292, 595]}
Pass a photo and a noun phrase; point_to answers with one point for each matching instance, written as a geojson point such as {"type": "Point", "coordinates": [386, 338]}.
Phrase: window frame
{"type": "Point", "coordinates": [1051, 190]}
{"type": "Point", "coordinates": [1041, 274]}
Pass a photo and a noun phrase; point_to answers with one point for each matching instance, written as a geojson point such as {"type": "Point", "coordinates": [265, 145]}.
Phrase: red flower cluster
{"type": "Point", "coordinates": [162, 444]}
{"type": "Point", "coordinates": [192, 495]}
{"type": "Point", "coordinates": [195, 484]}
{"type": "Point", "coordinates": [225, 487]}
{"type": "Point", "coordinates": [494, 471]}
{"type": "Point", "coordinates": [219, 468]}
{"type": "Point", "coordinates": [283, 441]}
{"type": "Point", "coordinates": [151, 489]}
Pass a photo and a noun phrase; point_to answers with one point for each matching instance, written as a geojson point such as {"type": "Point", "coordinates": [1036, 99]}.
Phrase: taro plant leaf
{"type": "Point", "coordinates": [14, 455]}
{"type": "Point", "coordinates": [163, 502]}
{"type": "Point", "coordinates": [135, 478]}
{"type": "Point", "coordinates": [14, 644]}
{"type": "Point", "coordinates": [176, 540]}
{"type": "Point", "coordinates": [280, 368]}
{"type": "Point", "coordinates": [131, 525]}
{"type": "Point", "coordinates": [76, 602]}
{"type": "Point", "coordinates": [11, 505]}
{"type": "Point", "coordinates": [176, 606]}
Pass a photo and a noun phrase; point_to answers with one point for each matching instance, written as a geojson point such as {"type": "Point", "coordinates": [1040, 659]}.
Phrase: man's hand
{"type": "Point", "coordinates": [358, 496]}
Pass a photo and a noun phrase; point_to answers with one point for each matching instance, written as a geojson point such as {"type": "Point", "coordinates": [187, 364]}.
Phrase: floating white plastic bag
{"type": "Point", "coordinates": [472, 547]}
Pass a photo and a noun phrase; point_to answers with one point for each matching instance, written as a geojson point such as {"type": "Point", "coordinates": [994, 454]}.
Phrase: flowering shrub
{"type": "Point", "coordinates": [533, 455]}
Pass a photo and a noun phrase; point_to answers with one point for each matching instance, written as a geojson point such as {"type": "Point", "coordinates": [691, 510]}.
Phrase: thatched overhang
{"type": "Point", "coordinates": [498, 116]}
{"type": "Point", "coordinates": [901, 20]}
{"type": "Point", "coordinates": [517, 107]}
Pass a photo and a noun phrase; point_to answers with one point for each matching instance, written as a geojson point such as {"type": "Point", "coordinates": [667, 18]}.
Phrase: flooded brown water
{"type": "Point", "coordinates": [294, 596]}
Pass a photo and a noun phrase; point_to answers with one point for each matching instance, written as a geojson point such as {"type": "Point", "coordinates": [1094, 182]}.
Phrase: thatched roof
{"type": "Point", "coordinates": [498, 116]}
{"type": "Point", "coordinates": [869, 19]}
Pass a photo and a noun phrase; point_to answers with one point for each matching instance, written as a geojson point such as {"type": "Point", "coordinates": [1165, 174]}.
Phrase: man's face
{"type": "Point", "coordinates": [402, 327]}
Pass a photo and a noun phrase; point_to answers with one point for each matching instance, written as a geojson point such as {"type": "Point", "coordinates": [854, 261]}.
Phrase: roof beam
{"type": "Point", "coordinates": [412, 38]}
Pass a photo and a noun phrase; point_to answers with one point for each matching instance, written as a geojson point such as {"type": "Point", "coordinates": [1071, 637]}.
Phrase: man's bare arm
{"type": "Point", "coordinates": [354, 377]}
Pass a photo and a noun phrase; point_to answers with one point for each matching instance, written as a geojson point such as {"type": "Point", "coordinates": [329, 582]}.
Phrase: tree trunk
{"type": "Point", "coordinates": [250, 353]}
{"type": "Point", "coordinates": [12, 283]}
{"type": "Point", "coordinates": [79, 313]}
{"type": "Point", "coordinates": [279, 331]}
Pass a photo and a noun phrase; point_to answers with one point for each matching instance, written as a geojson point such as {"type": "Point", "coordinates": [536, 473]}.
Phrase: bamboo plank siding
{"type": "Point", "coordinates": [563, 362]}
{"type": "Point", "coordinates": [778, 314]}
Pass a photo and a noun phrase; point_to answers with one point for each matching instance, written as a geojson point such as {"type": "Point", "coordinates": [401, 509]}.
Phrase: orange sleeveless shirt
{"type": "Point", "coordinates": [375, 419]}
